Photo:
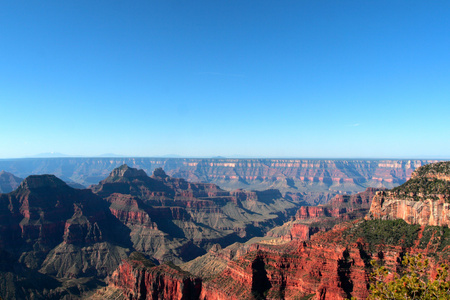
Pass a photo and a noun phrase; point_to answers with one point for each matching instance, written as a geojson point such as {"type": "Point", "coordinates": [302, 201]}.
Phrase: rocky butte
{"type": "Point", "coordinates": [333, 264]}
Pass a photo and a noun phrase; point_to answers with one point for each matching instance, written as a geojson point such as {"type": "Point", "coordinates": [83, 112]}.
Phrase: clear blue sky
{"type": "Point", "coordinates": [208, 78]}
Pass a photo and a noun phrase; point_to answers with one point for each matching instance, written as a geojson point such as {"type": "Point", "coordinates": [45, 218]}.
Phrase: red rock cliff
{"type": "Point", "coordinates": [333, 265]}
{"type": "Point", "coordinates": [423, 200]}
{"type": "Point", "coordinates": [137, 279]}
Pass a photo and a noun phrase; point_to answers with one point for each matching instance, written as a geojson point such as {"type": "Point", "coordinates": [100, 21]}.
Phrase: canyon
{"type": "Point", "coordinates": [134, 236]}
{"type": "Point", "coordinates": [331, 265]}
{"type": "Point", "coordinates": [49, 230]}
{"type": "Point", "coordinates": [173, 219]}
{"type": "Point", "coordinates": [327, 264]}
{"type": "Point", "coordinates": [315, 181]}
{"type": "Point", "coordinates": [312, 219]}
{"type": "Point", "coordinates": [75, 238]}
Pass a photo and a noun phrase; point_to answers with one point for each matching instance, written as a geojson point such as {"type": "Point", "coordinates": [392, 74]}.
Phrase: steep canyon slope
{"type": "Point", "coordinates": [173, 219]}
{"type": "Point", "coordinates": [49, 230]}
{"type": "Point", "coordinates": [331, 265]}
{"type": "Point", "coordinates": [72, 239]}
{"type": "Point", "coordinates": [312, 219]}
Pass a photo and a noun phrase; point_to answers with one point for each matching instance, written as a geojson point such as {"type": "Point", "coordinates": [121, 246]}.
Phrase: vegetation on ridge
{"type": "Point", "coordinates": [436, 168]}
{"type": "Point", "coordinates": [422, 188]}
{"type": "Point", "coordinates": [378, 232]}
{"type": "Point", "coordinates": [423, 185]}
{"type": "Point", "coordinates": [137, 256]}
{"type": "Point", "coordinates": [435, 238]}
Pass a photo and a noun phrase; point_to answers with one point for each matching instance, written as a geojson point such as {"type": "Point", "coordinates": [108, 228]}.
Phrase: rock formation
{"type": "Point", "coordinates": [423, 200]}
{"type": "Point", "coordinates": [54, 231]}
{"type": "Point", "coordinates": [314, 181]}
{"type": "Point", "coordinates": [333, 264]}
{"type": "Point", "coordinates": [312, 219]}
{"type": "Point", "coordinates": [66, 238]}
{"type": "Point", "coordinates": [173, 219]}
{"type": "Point", "coordinates": [137, 278]}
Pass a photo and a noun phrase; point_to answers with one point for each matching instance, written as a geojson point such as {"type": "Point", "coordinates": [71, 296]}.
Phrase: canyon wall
{"type": "Point", "coordinates": [423, 200]}
{"type": "Point", "coordinates": [332, 265]}
{"type": "Point", "coordinates": [312, 180]}
{"type": "Point", "coordinates": [137, 279]}
{"type": "Point", "coordinates": [433, 212]}
{"type": "Point", "coordinates": [71, 235]}
{"type": "Point", "coordinates": [312, 219]}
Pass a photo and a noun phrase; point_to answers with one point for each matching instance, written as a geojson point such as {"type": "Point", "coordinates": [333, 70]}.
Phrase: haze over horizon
{"type": "Point", "coordinates": [175, 156]}
{"type": "Point", "coordinates": [297, 79]}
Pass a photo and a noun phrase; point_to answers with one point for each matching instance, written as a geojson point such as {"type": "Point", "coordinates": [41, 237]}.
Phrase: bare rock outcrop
{"type": "Point", "coordinates": [334, 264]}
{"type": "Point", "coordinates": [137, 278]}
{"type": "Point", "coordinates": [423, 200]}
{"type": "Point", "coordinates": [310, 220]}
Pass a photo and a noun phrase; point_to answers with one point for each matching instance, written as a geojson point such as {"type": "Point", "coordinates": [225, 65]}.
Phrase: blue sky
{"type": "Point", "coordinates": [303, 79]}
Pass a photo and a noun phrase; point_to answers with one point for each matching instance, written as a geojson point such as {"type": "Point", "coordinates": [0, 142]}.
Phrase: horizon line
{"type": "Point", "coordinates": [233, 157]}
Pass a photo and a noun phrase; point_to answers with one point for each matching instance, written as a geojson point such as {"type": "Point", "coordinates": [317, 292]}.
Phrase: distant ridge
{"type": "Point", "coordinates": [312, 180]}
{"type": "Point", "coordinates": [8, 182]}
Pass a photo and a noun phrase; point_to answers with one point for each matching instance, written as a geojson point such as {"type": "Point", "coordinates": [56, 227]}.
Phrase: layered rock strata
{"type": "Point", "coordinates": [54, 231]}
{"type": "Point", "coordinates": [312, 219]}
{"type": "Point", "coordinates": [314, 181]}
{"type": "Point", "coordinates": [70, 234]}
{"type": "Point", "coordinates": [423, 200]}
{"type": "Point", "coordinates": [137, 279]}
{"type": "Point", "coordinates": [332, 265]}
{"type": "Point", "coordinates": [172, 219]}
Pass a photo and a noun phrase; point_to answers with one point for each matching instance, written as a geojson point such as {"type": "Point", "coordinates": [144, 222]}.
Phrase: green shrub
{"type": "Point", "coordinates": [429, 188]}
{"type": "Point", "coordinates": [377, 232]}
{"type": "Point", "coordinates": [436, 237]}
{"type": "Point", "coordinates": [413, 284]}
